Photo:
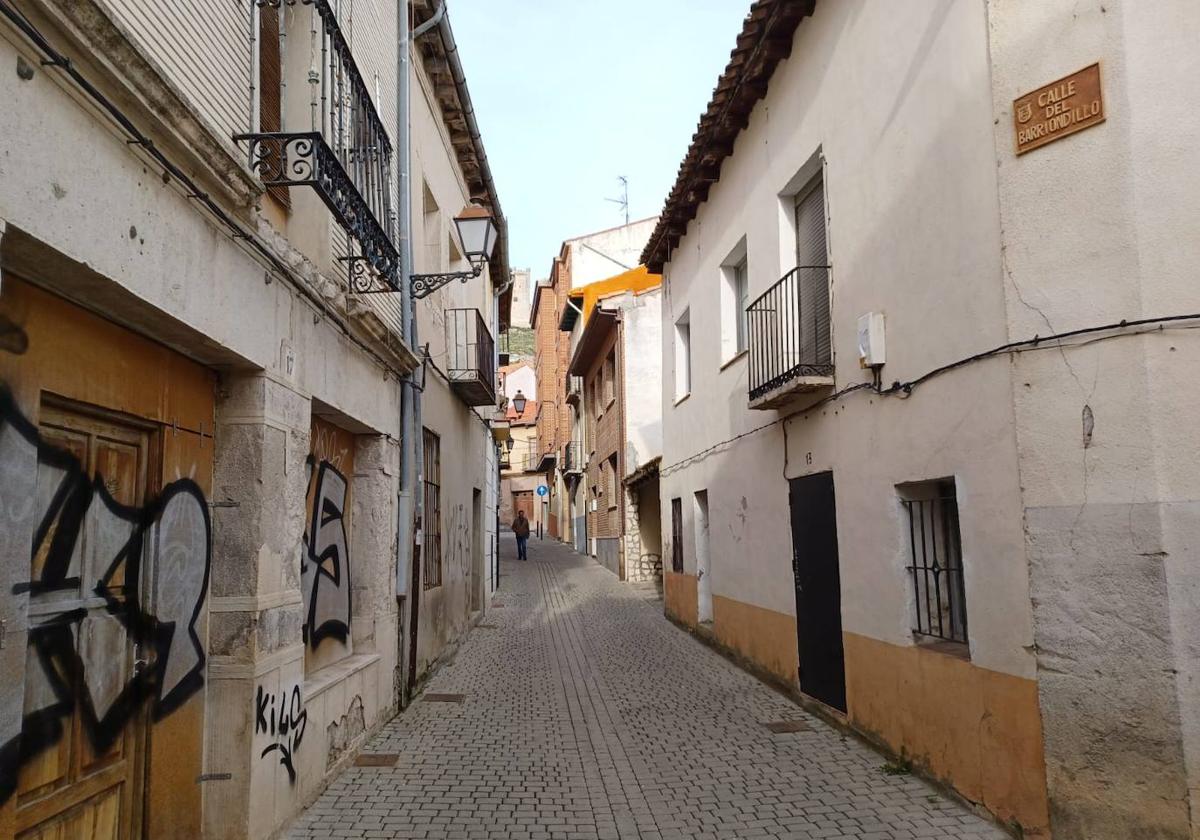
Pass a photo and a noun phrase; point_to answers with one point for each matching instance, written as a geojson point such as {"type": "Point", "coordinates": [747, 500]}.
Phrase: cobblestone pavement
{"type": "Point", "coordinates": [588, 715]}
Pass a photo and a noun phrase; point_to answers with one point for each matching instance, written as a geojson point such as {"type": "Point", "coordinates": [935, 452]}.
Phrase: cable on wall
{"type": "Point", "coordinates": [904, 389]}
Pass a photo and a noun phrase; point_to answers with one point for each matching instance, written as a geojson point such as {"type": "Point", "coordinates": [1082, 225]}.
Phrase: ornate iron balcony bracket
{"type": "Point", "coordinates": [424, 285]}
{"type": "Point", "coordinates": [365, 280]}
{"type": "Point", "coordinates": [305, 159]}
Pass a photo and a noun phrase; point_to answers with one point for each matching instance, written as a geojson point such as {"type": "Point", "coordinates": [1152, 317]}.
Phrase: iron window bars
{"type": "Point", "coordinates": [677, 536]}
{"type": "Point", "coordinates": [431, 571]}
{"type": "Point", "coordinates": [937, 569]}
{"type": "Point", "coordinates": [472, 351]}
{"type": "Point", "coordinates": [345, 155]}
{"type": "Point", "coordinates": [789, 330]}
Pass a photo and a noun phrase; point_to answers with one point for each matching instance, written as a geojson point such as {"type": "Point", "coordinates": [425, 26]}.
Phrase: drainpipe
{"type": "Point", "coordinates": [408, 503]}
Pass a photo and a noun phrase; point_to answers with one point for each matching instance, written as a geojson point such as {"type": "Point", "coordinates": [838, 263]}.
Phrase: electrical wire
{"type": "Point", "coordinates": [1038, 342]}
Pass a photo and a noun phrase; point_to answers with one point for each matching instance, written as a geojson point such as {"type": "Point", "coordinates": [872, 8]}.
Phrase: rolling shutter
{"type": "Point", "coordinates": [811, 251]}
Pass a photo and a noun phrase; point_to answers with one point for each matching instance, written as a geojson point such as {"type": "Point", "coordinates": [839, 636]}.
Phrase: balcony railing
{"type": "Point", "coordinates": [344, 153]}
{"type": "Point", "coordinates": [573, 458]}
{"type": "Point", "coordinates": [574, 389]}
{"type": "Point", "coordinates": [789, 337]}
{"type": "Point", "coordinates": [472, 357]}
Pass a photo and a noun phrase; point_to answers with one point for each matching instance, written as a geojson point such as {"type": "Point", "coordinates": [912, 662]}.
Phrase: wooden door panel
{"type": "Point", "coordinates": [98, 818]}
{"type": "Point", "coordinates": [83, 721]}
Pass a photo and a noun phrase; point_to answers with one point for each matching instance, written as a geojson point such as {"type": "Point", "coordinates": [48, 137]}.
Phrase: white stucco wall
{"type": "Point", "coordinates": [606, 253]}
{"type": "Point", "coordinates": [641, 332]}
{"type": "Point", "coordinates": [467, 452]}
{"type": "Point", "coordinates": [522, 379]}
{"type": "Point", "coordinates": [895, 109]}
{"type": "Point", "coordinates": [1111, 526]}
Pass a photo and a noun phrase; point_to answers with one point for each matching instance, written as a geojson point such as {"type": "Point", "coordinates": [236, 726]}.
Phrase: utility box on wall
{"type": "Point", "coordinates": [871, 351]}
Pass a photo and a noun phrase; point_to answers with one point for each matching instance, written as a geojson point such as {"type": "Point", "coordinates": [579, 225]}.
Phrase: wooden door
{"type": "Point", "coordinates": [818, 589]}
{"type": "Point", "coordinates": [84, 722]}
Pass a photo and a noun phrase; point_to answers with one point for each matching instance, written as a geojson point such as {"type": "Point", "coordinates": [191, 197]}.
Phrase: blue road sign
{"type": "Point", "coordinates": [543, 490]}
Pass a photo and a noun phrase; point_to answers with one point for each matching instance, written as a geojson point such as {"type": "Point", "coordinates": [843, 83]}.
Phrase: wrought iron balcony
{"type": "Point", "coordinates": [344, 153]}
{"type": "Point", "coordinates": [574, 459]}
{"type": "Point", "coordinates": [472, 357]}
{"type": "Point", "coordinates": [574, 389]}
{"type": "Point", "coordinates": [790, 350]}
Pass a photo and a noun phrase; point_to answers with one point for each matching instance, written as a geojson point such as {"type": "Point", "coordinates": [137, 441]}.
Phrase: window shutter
{"type": "Point", "coordinates": [270, 108]}
{"type": "Point", "coordinates": [811, 250]}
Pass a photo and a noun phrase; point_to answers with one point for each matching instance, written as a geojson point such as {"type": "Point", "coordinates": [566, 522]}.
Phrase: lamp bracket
{"type": "Point", "coordinates": [424, 285]}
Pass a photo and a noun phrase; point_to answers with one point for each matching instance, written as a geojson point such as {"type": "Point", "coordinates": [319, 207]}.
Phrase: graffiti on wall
{"type": "Point", "coordinates": [78, 657]}
{"type": "Point", "coordinates": [458, 540]}
{"type": "Point", "coordinates": [325, 557]}
{"type": "Point", "coordinates": [281, 718]}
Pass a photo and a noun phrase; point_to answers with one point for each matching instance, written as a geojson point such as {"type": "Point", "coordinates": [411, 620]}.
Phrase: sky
{"type": "Point", "coordinates": [570, 94]}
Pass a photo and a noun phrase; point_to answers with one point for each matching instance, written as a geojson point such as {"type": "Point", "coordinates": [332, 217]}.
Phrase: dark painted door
{"type": "Point", "coordinates": [818, 589]}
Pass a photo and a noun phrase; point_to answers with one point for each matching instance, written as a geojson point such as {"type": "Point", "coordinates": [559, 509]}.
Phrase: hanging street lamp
{"type": "Point", "coordinates": [477, 233]}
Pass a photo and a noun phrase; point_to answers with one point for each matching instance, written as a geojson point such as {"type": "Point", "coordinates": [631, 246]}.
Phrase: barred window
{"type": "Point", "coordinates": [432, 544]}
{"type": "Point", "coordinates": [936, 567]}
{"type": "Point", "coordinates": [677, 536]}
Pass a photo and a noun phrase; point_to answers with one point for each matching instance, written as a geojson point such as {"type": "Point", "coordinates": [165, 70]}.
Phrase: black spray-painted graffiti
{"type": "Point", "coordinates": [325, 558]}
{"type": "Point", "coordinates": [283, 718]}
{"type": "Point", "coordinates": [78, 655]}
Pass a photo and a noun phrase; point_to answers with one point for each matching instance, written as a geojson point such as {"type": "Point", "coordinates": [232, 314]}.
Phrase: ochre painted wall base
{"type": "Point", "coordinates": [976, 730]}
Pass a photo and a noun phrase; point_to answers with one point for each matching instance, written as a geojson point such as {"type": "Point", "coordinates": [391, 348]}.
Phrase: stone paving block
{"type": "Point", "coordinates": [588, 716]}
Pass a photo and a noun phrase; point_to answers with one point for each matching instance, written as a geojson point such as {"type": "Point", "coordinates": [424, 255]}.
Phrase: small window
{"type": "Point", "coordinates": [611, 491]}
{"type": "Point", "coordinates": [677, 536]}
{"type": "Point", "coordinates": [683, 356]}
{"type": "Point", "coordinates": [734, 298]}
{"type": "Point", "coordinates": [935, 560]}
{"type": "Point", "coordinates": [610, 378]}
{"type": "Point", "coordinates": [432, 541]}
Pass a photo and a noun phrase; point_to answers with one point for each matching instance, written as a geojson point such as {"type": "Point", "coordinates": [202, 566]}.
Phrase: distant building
{"type": "Point", "coordinates": [518, 480]}
{"type": "Point", "coordinates": [580, 261]}
{"type": "Point", "coordinates": [611, 463]}
{"type": "Point", "coordinates": [522, 297]}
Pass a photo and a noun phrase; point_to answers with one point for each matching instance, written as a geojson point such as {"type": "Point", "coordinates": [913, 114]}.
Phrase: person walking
{"type": "Point", "coordinates": [521, 528]}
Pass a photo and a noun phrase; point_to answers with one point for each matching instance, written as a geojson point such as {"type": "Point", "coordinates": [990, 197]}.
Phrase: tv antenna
{"type": "Point", "coordinates": [624, 199]}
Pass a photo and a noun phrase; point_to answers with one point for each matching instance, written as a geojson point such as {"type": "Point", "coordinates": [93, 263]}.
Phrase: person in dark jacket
{"type": "Point", "coordinates": [521, 528]}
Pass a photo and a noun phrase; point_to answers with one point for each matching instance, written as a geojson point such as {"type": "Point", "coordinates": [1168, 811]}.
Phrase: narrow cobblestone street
{"type": "Point", "coordinates": [587, 715]}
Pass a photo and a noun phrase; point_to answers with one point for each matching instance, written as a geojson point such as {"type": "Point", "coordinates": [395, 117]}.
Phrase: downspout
{"type": "Point", "coordinates": [408, 502]}
{"type": "Point", "coordinates": [441, 21]}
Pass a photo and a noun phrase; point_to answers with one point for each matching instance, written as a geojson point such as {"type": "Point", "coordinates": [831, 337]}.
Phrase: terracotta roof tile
{"type": "Point", "coordinates": [765, 39]}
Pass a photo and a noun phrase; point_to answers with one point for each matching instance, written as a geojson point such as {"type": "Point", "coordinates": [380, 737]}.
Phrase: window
{"type": "Point", "coordinates": [683, 356]}
{"type": "Point", "coordinates": [270, 105]}
{"type": "Point", "coordinates": [594, 396]}
{"type": "Point", "coordinates": [936, 567]}
{"type": "Point", "coordinates": [734, 298]}
{"type": "Point", "coordinates": [432, 541]}
{"type": "Point", "coordinates": [677, 536]}
{"type": "Point", "coordinates": [611, 491]}
{"type": "Point", "coordinates": [610, 378]}
{"type": "Point", "coordinates": [812, 259]}
{"type": "Point", "coordinates": [431, 223]}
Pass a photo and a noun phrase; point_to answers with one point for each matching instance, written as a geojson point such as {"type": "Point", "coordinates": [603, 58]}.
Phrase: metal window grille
{"type": "Point", "coordinates": [677, 536]}
{"type": "Point", "coordinates": [432, 542]}
{"type": "Point", "coordinates": [937, 569]}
